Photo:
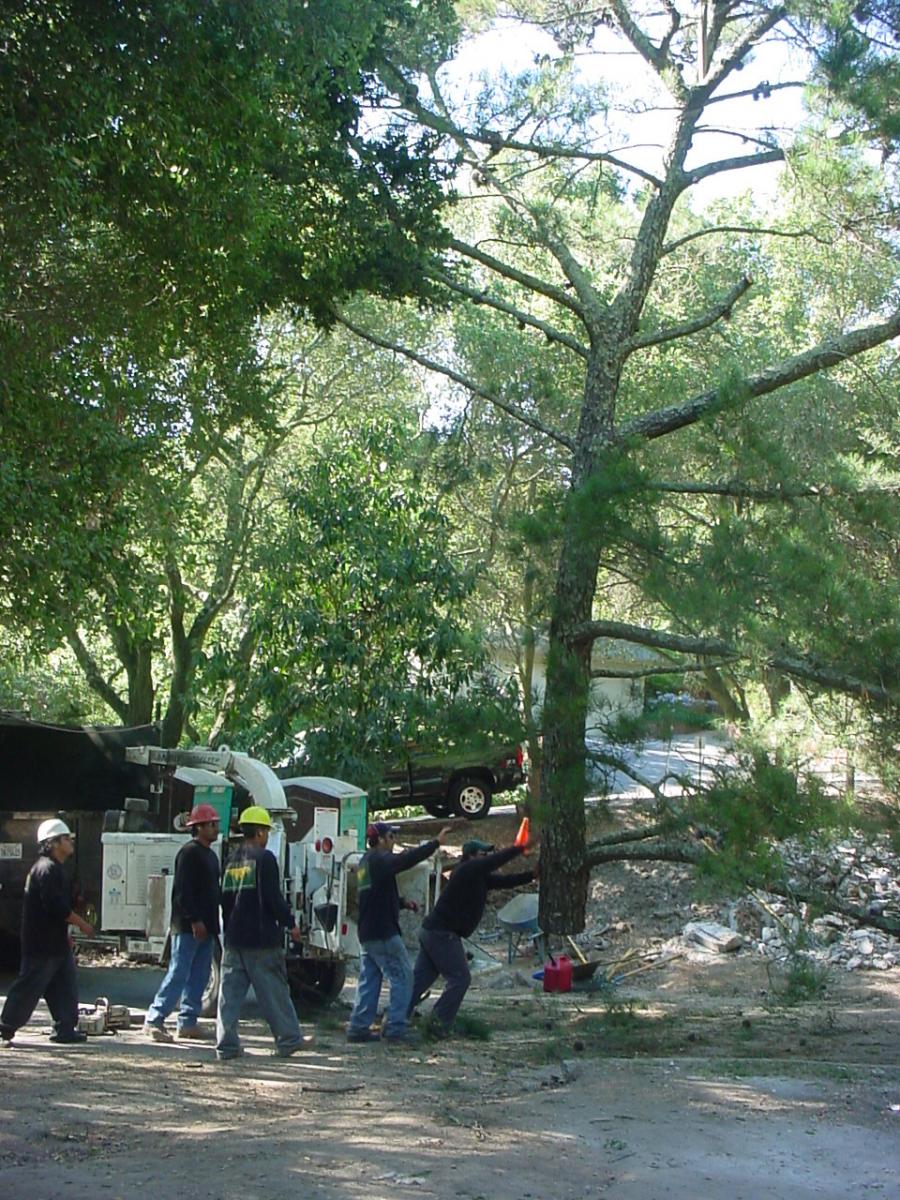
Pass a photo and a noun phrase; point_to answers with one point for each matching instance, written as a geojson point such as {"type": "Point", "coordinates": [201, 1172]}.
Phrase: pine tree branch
{"type": "Point", "coordinates": [743, 492]}
{"type": "Point", "coordinates": [740, 50]}
{"type": "Point", "coordinates": [463, 381]}
{"type": "Point", "coordinates": [669, 850]}
{"type": "Point", "coordinates": [655, 56]}
{"type": "Point", "coordinates": [820, 674]}
{"type": "Point", "coordinates": [830, 353]}
{"type": "Point", "coordinates": [550, 290]}
{"type": "Point", "coordinates": [764, 86]}
{"type": "Point", "coordinates": [497, 141]}
{"type": "Point", "coordinates": [607, 759]}
{"type": "Point", "coordinates": [481, 297]}
{"type": "Point", "coordinates": [672, 667]}
{"type": "Point", "coordinates": [738, 163]}
{"type": "Point", "coordinates": [723, 309]}
{"type": "Point", "coordinates": [751, 229]}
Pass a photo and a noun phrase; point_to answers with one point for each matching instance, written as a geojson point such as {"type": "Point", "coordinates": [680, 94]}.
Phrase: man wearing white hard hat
{"type": "Point", "coordinates": [48, 964]}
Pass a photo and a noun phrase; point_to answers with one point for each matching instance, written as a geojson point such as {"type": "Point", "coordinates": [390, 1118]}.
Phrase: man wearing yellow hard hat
{"type": "Point", "coordinates": [254, 916]}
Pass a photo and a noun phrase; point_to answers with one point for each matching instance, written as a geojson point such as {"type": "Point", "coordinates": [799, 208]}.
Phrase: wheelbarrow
{"type": "Point", "coordinates": [519, 917]}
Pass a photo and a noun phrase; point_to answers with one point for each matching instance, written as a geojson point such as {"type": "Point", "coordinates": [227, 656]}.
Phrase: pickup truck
{"type": "Point", "coordinates": [451, 783]}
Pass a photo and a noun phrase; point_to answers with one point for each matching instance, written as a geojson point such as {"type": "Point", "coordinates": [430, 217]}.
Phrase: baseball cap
{"type": "Point", "coordinates": [476, 846]}
{"type": "Point", "coordinates": [380, 829]}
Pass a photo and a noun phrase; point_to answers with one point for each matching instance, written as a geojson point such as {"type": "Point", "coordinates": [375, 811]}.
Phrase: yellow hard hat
{"type": "Point", "coordinates": [255, 815]}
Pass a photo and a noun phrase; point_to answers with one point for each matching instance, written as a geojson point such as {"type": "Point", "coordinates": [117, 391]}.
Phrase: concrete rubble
{"type": "Point", "coordinates": [864, 874]}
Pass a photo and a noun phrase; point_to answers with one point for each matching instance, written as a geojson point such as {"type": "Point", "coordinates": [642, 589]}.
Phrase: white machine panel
{"type": "Point", "coordinates": [128, 859]}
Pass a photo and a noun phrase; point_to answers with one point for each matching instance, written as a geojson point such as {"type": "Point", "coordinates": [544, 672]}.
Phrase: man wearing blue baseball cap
{"type": "Point", "coordinates": [456, 915]}
{"type": "Point", "coordinates": [381, 948]}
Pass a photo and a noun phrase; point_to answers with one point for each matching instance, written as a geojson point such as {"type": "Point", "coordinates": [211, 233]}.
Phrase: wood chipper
{"type": "Point", "coordinates": [318, 839]}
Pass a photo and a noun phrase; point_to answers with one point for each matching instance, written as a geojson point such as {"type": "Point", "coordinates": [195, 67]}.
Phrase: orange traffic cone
{"type": "Point", "coordinates": [522, 835]}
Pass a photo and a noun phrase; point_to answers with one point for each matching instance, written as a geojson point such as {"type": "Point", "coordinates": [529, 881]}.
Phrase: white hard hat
{"type": "Point", "coordinates": [53, 828]}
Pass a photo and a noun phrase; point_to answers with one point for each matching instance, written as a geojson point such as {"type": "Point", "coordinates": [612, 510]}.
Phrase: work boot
{"type": "Point", "coordinates": [157, 1033]}
{"type": "Point", "coordinates": [365, 1035]}
{"type": "Point", "coordinates": [409, 1036]}
{"type": "Point", "coordinates": [194, 1033]}
{"type": "Point", "coordinates": [305, 1043]}
{"type": "Point", "coordinates": [68, 1037]}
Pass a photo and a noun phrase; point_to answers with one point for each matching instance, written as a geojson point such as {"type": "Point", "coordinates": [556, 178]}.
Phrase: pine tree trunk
{"type": "Point", "coordinates": [564, 872]}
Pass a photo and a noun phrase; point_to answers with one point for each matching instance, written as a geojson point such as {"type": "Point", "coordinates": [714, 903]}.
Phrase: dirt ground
{"type": "Point", "coordinates": [689, 1079]}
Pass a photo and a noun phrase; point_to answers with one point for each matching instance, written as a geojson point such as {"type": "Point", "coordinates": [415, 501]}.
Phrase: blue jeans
{"type": "Point", "coordinates": [187, 976]}
{"type": "Point", "coordinates": [377, 959]}
{"type": "Point", "coordinates": [264, 968]}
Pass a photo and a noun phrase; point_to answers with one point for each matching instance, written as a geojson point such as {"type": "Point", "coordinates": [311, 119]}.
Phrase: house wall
{"type": "Point", "coordinates": [609, 697]}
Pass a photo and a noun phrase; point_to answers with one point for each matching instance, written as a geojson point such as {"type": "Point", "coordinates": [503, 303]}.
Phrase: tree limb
{"type": "Point", "coordinates": [744, 492]}
{"type": "Point", "coordinates": [830, 353]}
{"type": "Point", "coordinates": [723, 309]}
{"type": "Point", "coordinates": [551, 150]}
{"type": "Point", "coordinates": [668, 850]}
{"type": "Point", "coordinates": [822, 675]}
{"type": "Point", "coordinates": [469, 384]}
{"type": "Point", "coordinates": [689, 178]}
{"type": "Point", "coordinates": [481, 297]}
{"type": "Point", "coordinates": [741, 49]}
{"type": "Point", "coordinates": [675, 668]}
{"type": "Point", "coordinates": [94, 676]}
{"type": "Point", "coordinates": [550, 290]}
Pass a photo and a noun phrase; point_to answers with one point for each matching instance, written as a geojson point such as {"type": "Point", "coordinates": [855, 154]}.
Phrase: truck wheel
{"type": "Point", "coordinates": [435, 810]}
{"type": "Point", "coordinates": [210, 1001]}
{"type": "Point", "coordinates": [470, 798]}
{"type": "Point", "coordinates": [314, 982]}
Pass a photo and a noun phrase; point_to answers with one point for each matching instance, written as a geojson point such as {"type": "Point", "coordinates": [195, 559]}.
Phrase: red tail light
{"type": "Point", "coordinates": [327, 845]}
{"type": "Point", "coordinates": [318, 845]}
{"type": "Point", "coordinates": [344, 930]}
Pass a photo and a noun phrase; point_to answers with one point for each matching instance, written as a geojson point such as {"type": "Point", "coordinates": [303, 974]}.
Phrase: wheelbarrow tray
{"type": "Point", "coordinates": [584, 970]}
{"type": "Point", "coordinates": [520, 915]}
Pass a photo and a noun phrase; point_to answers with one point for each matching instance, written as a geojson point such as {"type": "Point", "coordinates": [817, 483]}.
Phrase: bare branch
{"type": "Point", "coordinates": [686, 328]}
{"type": "Point", "coordinates": [752, 229]}
{"type": "Point", "coordinates": [463, 381]}
{"type": "Point", "coordinates": [731, 164]}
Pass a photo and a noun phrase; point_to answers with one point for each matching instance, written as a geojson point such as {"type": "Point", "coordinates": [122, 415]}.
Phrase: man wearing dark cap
{"type": "Point", "coordinates": [381, 948]}
{"type": "Point", "coordinates": [456, 915]}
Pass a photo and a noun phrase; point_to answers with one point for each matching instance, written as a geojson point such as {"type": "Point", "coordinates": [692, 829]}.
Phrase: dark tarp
{"type": "Point", "coordinates": [48, 768]}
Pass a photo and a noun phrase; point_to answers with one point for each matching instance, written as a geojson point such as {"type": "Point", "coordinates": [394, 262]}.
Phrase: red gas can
{"type": "Point", "coordinates": [558, 974]}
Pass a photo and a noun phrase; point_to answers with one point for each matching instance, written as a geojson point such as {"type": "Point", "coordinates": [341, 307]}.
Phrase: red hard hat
{"type": "Point", "coordinates": [200, 814]}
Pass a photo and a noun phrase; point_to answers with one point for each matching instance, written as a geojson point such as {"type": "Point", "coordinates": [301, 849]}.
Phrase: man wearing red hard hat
{"type": "Point", "coordinates": [194, 929]}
